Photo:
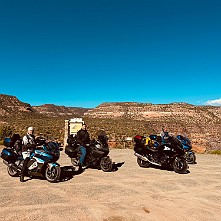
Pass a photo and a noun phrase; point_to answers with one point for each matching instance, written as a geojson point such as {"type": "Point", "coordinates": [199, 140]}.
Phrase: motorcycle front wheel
{"type": "Point", "coordinates": [52, 174]}
{"type": "Point", "coordinates": [12, 172]}
{"type": "Point", "coordinates": [191, 157]}
{"type": "Point", "coordinates": [143, 163]}
{"type": "Point", "coordinates": [106, 164]}
{"type": "Point", "coordinates": [180, 165]}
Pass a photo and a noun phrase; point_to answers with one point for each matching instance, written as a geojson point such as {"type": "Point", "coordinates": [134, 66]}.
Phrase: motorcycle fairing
{"type": "Point", "coordinates": [40, 155]}
{"type": "Point", "coordinates": [50, 165]}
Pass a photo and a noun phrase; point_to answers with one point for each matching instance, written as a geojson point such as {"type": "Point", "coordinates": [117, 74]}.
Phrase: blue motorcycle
{"type": "Point", "coordinates": [187, 146]}
{"type": "Point", "coordinates": [42, 161]}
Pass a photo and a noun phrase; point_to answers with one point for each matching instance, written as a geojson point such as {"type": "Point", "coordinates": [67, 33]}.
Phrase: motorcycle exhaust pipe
{"type": "Point", "coordinates": [14, 166]}
{"type": "Point", "coordinates": [141, 157]}
{"type": "Point", "coordinates": [145, 159]}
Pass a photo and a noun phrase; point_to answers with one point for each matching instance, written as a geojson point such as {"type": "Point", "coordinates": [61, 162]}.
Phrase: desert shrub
{"type": "Point", "coordinates": [218, 152]}
{"type": "Point", "coordinates": [5, 131]}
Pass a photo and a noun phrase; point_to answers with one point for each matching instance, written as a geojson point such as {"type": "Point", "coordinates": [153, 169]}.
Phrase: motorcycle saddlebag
{"type": "Point", "coordinates": [8, 155]}
{"type": "Point", "coordinates": [71, 151]}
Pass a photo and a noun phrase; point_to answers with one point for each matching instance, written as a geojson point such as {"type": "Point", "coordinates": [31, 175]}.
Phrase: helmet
{"type": "Point", "coordinates": [138, 139]}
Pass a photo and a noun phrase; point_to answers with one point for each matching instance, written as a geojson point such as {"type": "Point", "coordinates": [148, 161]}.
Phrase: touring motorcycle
{"type": "Point", "coordinates": [42, 160]}
{"type": "Point", "coordinates": [166, 154]}
{"type": "Point", "coordinates": [96, 156]}
{"type": "Point", "coordinates": [187, 146]}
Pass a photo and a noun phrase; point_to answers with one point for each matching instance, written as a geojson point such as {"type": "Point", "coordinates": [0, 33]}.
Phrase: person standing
{"type": "Point", "coordinates": [83, 139]}
{"type": "Point", "coordinates": [28, 146]}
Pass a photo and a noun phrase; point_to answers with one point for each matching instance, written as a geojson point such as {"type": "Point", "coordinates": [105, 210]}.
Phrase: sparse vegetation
{"type": "Point", "coordinates": [5, 131]}
{"type": "Point", "coordinates": [218, 152]}
{"type": "Point", "coordinates": [202, 124]}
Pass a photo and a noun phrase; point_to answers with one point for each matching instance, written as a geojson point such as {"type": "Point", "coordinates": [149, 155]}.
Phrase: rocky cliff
{"type": "Point", "coordinates": [11, 106]}
{"type": "Point", "coordinates": [201, 123]}
{"type": "Point", "coordinates": [48, 119]}
{"type": "Point", "coordinates": [54, 110]}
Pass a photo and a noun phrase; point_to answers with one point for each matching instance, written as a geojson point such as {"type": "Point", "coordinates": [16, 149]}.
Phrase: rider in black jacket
{"type": "Point", "coordinates": [83, 139]}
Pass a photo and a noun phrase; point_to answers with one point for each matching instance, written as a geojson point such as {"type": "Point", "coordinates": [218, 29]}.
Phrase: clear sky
{"type": "Point", "coordinates": [82, 53]}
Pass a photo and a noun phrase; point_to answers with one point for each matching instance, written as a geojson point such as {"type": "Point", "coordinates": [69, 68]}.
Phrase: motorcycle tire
{"type": "Point", "coordinates": [52, 174]}
{"type": "Point", "coordinates": [12, 172]}
{"type": "Point", "coordinates": [143, 163]}
{"type": "Point", "coordinates": [180, 165]}
{"type": "Point", "coordinates": [106, 164]}
{"type": "Point", "coordinates": [191, 157]}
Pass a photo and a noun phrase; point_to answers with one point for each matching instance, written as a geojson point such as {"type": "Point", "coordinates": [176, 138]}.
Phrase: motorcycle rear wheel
{"type": "Point", "coordinates": [191, 157]}
{"type": "Point", "coordinates": [53, 174]}
{"type": "Point", "coordinates": [180, 165]}
{"type": "Point", "coordinates": [106, 164]}
{"type": "Point", "coordinates": [143, 163]}
{"type": "Point", "coordinates": [12, 172]}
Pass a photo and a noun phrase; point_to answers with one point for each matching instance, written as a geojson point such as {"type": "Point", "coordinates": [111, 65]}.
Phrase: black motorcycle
{"type": "Point", "coordinates": [187, 146]}
{"type": "Point", "coordinates": [96, 156]}
{"type": "Point", "coordinates": [169, 153]}
{"type": "Point", "coordinates": [42, 160]}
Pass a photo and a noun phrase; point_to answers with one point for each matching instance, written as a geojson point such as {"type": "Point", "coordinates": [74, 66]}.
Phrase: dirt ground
{"type": "Point", "coordinates": [129, 193]}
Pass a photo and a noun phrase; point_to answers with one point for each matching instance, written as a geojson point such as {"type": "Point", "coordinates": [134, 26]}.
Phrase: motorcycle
{"type": "Point", "coordinates": [96, 156]}
{"type": "Point", "coordinates": [165, 154]}
{"type": "Point", "coordinates": [42, 161]}
{"type": "Point", "coordinates": [187, 146]}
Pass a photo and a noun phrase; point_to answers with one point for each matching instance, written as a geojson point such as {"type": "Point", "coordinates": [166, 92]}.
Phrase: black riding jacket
{"type": "Point", "coordinates": [83, 137]}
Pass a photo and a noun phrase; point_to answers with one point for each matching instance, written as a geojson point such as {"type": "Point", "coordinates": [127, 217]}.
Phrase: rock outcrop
{"type": "Point", "coordinates": [201, 123]}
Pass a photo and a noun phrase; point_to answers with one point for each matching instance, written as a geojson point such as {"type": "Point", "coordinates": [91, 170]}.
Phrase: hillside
{"type": "Point", "coordinates": [52, 110]}
{"type": "Point", "coordinates": [48, 119]}
{"type": "Point", "coordinates": [119, 120]}
{"type": "Point", "coordinates": [201, 123]}
{"type": "Point", "coordinates": [10, 105]}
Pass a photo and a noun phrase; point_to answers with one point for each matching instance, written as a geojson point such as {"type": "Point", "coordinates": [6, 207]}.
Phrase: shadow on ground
{"type": "Point", "coordinates": [115, 166]}
{"type": "Point", "coordinates": [166, 168]}
{"type": "Point", "coordinates": [67, 173]}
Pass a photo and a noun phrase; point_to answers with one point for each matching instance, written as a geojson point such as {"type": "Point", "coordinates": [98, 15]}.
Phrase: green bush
{"type": "Point", "coordinates": [218, 152]}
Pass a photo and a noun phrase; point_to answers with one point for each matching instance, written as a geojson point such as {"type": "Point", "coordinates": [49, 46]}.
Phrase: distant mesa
{"type": "Point", "coordinates": [10, 105]}
{"type": "Point", "coordinates": [201, 123]}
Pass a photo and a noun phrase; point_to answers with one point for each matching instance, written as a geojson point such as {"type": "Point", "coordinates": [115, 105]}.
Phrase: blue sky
{"type": "Point", "coordinates": [86, 52]}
